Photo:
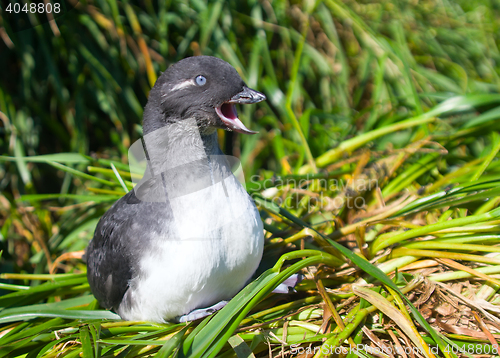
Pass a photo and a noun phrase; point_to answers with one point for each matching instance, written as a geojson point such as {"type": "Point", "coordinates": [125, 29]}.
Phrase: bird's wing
{"type": "Point", "coordinates": [121, 239]}
{"type": "Point", "coordinates": [109, 268]}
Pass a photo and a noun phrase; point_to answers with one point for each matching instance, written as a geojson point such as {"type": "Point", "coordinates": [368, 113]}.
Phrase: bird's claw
{"type": "Point", "coordinates": [201, 312]}
{"type": "Point", "coordinates": [288, 286]}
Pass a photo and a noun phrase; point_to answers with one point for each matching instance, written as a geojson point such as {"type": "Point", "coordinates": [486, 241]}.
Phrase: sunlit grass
{"type": "Point", "coordinates": [375, 170]}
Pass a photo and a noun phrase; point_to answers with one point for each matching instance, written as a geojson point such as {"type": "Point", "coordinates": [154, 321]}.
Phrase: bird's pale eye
{"type": "Point", "coordinates": [200, 80]}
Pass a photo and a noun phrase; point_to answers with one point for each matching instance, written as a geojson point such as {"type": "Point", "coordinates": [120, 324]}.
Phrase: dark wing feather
{"type": "Point", "coordinates": [122, 237]}
{"type": "Point", "coordinates": [109, 269]}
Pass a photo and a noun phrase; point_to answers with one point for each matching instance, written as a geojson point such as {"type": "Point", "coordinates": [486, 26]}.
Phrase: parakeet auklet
{"type": "Point", "coordinates": [188, 236]}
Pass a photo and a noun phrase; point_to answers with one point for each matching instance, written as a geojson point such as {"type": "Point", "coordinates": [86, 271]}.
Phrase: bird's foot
{"type": "Point", "coordinates": [201, 312]}
{"type": "Point", "coordinates": [288, 286]}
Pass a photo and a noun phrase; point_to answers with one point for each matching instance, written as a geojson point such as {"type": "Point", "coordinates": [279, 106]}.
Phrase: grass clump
{"type": "Point", "coordinates": [376, 173]}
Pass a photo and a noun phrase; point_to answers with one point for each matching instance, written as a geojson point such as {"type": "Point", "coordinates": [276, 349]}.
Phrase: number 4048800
{"type": "Point", "coordinates": [33, 8]}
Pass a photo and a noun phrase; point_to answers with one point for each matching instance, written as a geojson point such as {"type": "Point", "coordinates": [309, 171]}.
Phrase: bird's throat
{"type": "Point", "coordinates": [181, 161]}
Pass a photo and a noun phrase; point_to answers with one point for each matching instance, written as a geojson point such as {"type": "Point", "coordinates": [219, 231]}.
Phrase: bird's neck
{"type": "Point", "coordinates": [178, 144]}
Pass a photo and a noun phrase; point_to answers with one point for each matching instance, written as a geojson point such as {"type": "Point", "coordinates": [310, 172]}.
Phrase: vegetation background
{"type": "Point", "coordinates": [404, 94]}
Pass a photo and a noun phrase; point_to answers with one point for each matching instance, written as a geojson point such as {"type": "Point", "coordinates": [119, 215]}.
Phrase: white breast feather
{"type": "Point", "coordinates": [217, 249]}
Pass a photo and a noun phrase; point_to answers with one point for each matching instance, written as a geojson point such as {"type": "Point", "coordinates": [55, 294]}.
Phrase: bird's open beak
{"type": "Point", "coordinates": [227, 111]}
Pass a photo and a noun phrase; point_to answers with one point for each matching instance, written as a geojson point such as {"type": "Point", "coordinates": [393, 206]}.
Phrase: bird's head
{"type": "Point", "coordinates": [204, 88]}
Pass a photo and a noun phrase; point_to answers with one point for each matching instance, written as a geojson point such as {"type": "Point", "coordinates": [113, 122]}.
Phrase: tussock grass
{"type": "Point", "coordinates": [376, 173]}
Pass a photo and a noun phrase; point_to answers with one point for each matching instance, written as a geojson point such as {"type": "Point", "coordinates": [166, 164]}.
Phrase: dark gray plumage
{"type": "Point", "coordinates": [188, 235]}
